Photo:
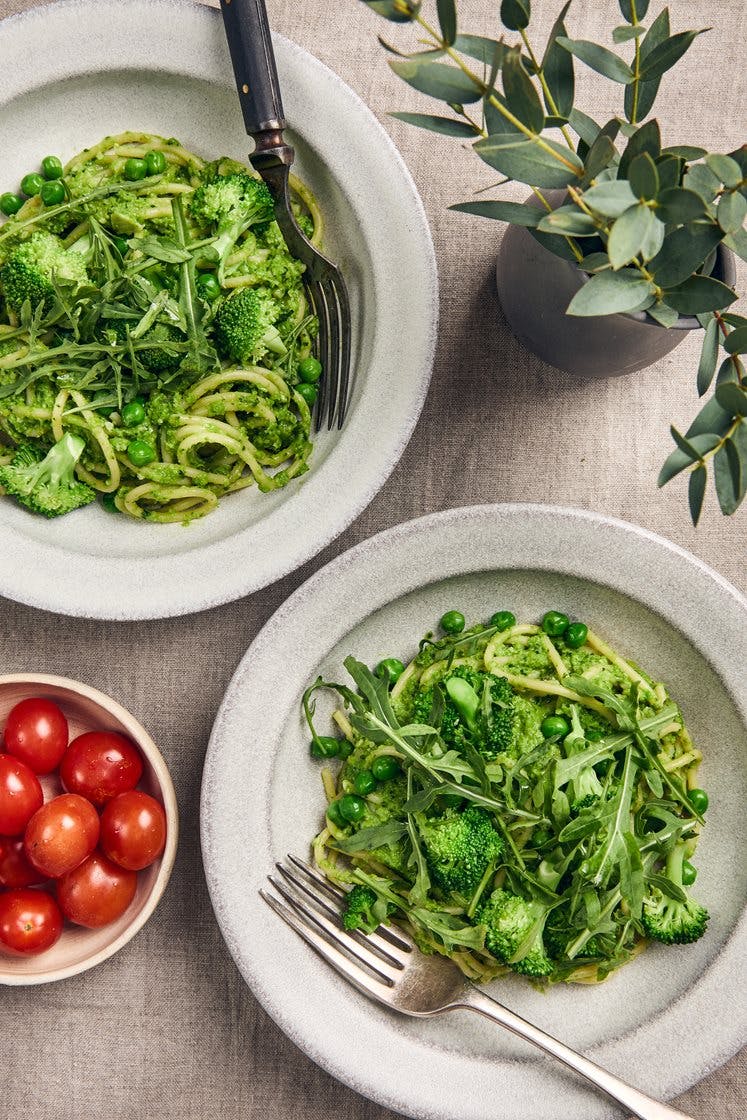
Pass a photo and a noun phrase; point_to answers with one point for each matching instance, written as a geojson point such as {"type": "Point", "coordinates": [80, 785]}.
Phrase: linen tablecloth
{"type": "Point", "coordinates": [166, 1028]}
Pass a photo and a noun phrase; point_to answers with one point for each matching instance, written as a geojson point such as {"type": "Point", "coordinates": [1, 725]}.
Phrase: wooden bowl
{"type": "Point", "coordinates": [87, 709]}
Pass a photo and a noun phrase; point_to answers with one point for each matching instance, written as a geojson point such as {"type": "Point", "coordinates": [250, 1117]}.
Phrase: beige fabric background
{"type": "Point", "coordinates": [167, 1028]}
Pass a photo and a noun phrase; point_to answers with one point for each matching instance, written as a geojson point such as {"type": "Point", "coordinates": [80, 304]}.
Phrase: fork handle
{"type": "Point", "coordinates": [636, 1102]}
{"type": "Point", "coordinates": [250, 43]}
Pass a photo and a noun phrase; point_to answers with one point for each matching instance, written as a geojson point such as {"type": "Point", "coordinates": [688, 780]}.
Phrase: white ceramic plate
{"type": "Point", "coordinates": [663, 1021]}
{"type": "Point", "coordinates": [78, 70]}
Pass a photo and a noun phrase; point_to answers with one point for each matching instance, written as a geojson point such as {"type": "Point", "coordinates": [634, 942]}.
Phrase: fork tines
{"type": "Point", "coordinates": [311, 906]}
{"type": "Point", "coordinates": [329, 300]}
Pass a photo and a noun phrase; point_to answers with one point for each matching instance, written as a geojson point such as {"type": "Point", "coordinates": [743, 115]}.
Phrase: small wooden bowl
{"type": "Point", "coordinates": [87, 709]}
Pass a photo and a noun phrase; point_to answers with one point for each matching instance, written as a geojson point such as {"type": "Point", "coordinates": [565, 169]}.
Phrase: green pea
{"type": "Point", "coordinates": [698, 798]}
{"type": "Point", "coordinates": [51, 167]}
{"type": "Point", "coordinates": [135, 169]}
{"type": "Point", "coordinates": [155, 163]}
{"type": "Point", "coordinates": [133, 413]}
{"type": "Point", "coordinates": [364, 782]}
{"type": "Point", "coordinates": [503, 620]}
{"type": "Point", "coordinates": [334, 814]}
{"type": "Point", "coordinates": [689, 873]}
{"type": "Point", "coordinates": [52, 193]}
{"type": "Point", "coordinates": [325, 746]}
{"type": "Point", "coordinates": [10, 203]}
{"type": "Point", "coordinates": [310, 369]}
{"type": "Point", "coordinates": [390, 669]}
{"type": "Point", "coordinates": [107, 501]}
{"type": "Point", "coordinates": [384, 768]}
{"type": "Point", "coordinates": [593, 735]}
{"type": "Point", "coordinates": [208, 286]}
{"type": "Point", "coordinates": [121, 246]}
{"type": "Point", "coordinates": [576, 634]}
{"type": "Point", "coordinates": [555, 623]}
{"type": "Point", "coordinates": [346, 748]}
{"type": "Point", "coordinates": [553, 726]}
{"type": "Point", "coordinates": [352, 808]}
{"type": "Point", "coordinates": [452, 622]}
{"type": "Point", "coordinates": [308, 392]}
{"type": "Point", "coordinates": [31, 184]}
{"type": "Point", "coordinates": [140, 453]}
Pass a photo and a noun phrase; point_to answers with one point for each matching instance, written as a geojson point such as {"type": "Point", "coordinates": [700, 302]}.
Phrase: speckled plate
{"type": "Point", "coordinates": [663, 1021]}
{"type": "Point", "coordinates": [80, 69]}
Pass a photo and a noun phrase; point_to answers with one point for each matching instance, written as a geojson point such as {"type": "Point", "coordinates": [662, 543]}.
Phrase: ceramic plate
{"type": "Point", "coordinates": [663, 1021]}
{"type": "Point", "coordinates": [78, 70]}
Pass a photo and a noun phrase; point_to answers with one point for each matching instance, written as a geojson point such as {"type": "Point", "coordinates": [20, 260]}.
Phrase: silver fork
{"type": "Point", "coordinates": [387, 966]}
{"type": "Point", "coordinates": [248, 34]}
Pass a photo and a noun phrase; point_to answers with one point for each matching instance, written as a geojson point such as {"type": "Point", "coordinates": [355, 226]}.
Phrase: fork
{"type": "Point", "coordinates": [387, 966]}
{"type": "Point", "coordinates": [249, 41]}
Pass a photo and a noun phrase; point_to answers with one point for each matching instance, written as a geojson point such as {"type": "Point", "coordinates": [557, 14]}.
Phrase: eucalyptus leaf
{"type": "Point", "coordinates": [628, 234]}
{"type": "Point", "coordinates": [530, 161]}
{"type": "Point", "coordinates": [647, 138]}
{"type": "Point", "coordinates": [685, 151]}
{"type": "Point", "coordinates": [669, 169]}
{"type": "Point", "coordinates": [701, 179]}
{"type": "Point", "coordinates": [665, 315]}
{"type": "Point", "coordinates": [611, 199]}
{"type": "Point", "coordinates": [666, 54]}
{"type": "Point", "coordinates": [515, 14]}
{"type": "Point", "coordinates": [627, 8]}
{"type": "Point", "coordinates": [737, 242]}
{"type": "Point", "coordinates": [436, 79]}
{"type": "Point", "coordinates": [726, 169]}
{"type": "Point", "coordinates": [731, 211]}
{"type": "Point", "coordinates": [608, 293]}
{"type": "Point", "coordinates": [495, 120]}
{"type": "Point", "coordinates": [517, 213]}
{"type": "Point", "coordinates": [696, 492]}
{"type": "Point", "coordinates": [728, 372]}
{"type": "Point", "coordinates": [604, 61]}
{"type": "Point", "coordinates": [653, 240]}
{"type": "Point", "coordinates": [732, 398]}
{"type": "Point", "coordinates": [521, 96]}
{"type": "Point", "coordinates": [708, 357]}
{"type": "Point", "coordinates": [594, 262]}
{"type": "Point", "coordinates": [484, 50]}
{"type": "Point", "coordinates": [568, 220]}
{"type": "Point", "coordinates": [601, 155]}
{"type": "Point", "coordinates": [557, 67]}
{"type": "Point", "coordinates": [684, 250]}
{"type": "Point", "coordinates": [711, 419]}
{"type": "Point", "coordinates": [624, 34]}
{"type": "Point", "coordinates": [583, 125]}
{"type": "Point", "coordinates": [729, 478]}
{"type": "Point", "coordinates": [641, 95]}
{"type": "Point", "coordinates": [396, 11]}
{"type": "Point", "coordinates": [736, 342]}
{"type": "Point", "coordinates": [681, 459]}
{"type": "Point", "coordinates": [556, 244]}
{"type": "Point", "coordinates": [699, 293]}
{"type": "Point", "coordinates": [447, 18]}
{"type": "Point", "coordinates": [676, 206]}
{"type": "Point", "coordinates": [643, 176]}
{"type": "Point", "coordinates": [447, 126]}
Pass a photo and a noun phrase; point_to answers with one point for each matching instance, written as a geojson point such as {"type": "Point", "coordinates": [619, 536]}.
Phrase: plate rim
{"type": "Point", "coordinates": [237, 580]}
{"type": "Point", "coordinates": [729, 955]}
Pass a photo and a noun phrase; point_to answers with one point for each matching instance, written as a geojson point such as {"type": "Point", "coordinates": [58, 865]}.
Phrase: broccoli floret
{"type": "Point", "coordinates": [274, 437]}
{"type": "Point", "coordinates": [244, 328]}
{"type": "Point", "coordinates": [364, 909]}
{"type": "Point", "coordinates": [32, 268]}
{"type": "Point", "coordinates": [48, 485]}
{"type": "Point", "coordinates": [485, 713]}
{"type": "Point", "coordinates": [155, 358]}
{"type": "Point", "coordinates": [233, 203]}
{"type": "Point", "coordinates": [459, 848]}
{"type": "Point", "coordinates": [668, 919]}
{"type": "Point", "coordinates": [514, 932]}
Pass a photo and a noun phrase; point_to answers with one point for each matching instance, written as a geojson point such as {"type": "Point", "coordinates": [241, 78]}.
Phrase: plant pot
{"type": "Point", "coordinates": [535, 287]}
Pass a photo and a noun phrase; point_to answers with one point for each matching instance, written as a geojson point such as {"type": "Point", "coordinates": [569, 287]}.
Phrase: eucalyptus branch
{"type": "Point", "coordinates": [545, 87]}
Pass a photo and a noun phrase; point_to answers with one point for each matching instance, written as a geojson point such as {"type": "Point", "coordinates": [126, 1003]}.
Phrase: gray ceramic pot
{"type": "Point", "coordinates": [535, 287]}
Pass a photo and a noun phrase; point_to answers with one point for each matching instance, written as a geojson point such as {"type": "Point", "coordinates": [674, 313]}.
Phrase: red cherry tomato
{"type": "Point", "coordinates": [20, 795]}
{"type": "Point", "coordinates": [15, 869]}
{"type": "Point", "coordinates": [30, 921]}
{"type": "Point", "coordinates": [61, 834]}
{"type": "Point", "coordinates": [133, 830]}
{"type": "Point", "coordinates": [36, 732]}
{"type": "Point", "coordinates": [99, 765]}
{"type": "Point", "coordinates": [97, 892]}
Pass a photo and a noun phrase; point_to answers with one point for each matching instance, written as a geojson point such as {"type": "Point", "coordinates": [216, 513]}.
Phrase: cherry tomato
{"type": "Point", "coordinates": [36, 732]}
{"type": "Point", "coordinates": [20, 795]}
{"type": "Point", "coordinates": [133, 830]}
{"type": "Point", "coordinates": [97, 892]}
{"type": "Point", "coordinates": [15, 869]}
{"type": "Point", "coordinates": [30, 921]}
{"type": "Point", "coordinates": [99, 765]}
{"type": "Point", "coordinates": [61, 834]}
